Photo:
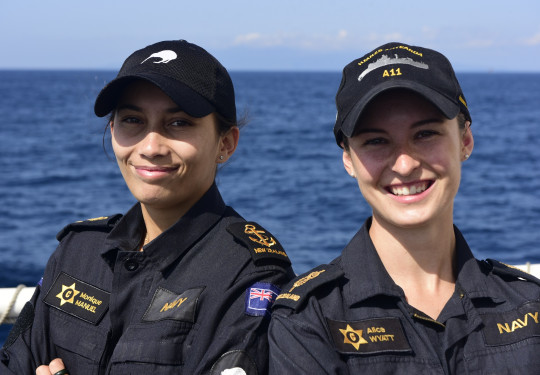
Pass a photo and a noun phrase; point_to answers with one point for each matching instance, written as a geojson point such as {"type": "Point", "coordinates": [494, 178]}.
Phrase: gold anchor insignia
{"type": "Point", "coordinates": [305, 279]}
{"type": "Point", "coordinates": [353, 337]}
{"type": "Point", "coordinates": [261, 238]}
{"type": "Point", "coordinates": [67, 294]}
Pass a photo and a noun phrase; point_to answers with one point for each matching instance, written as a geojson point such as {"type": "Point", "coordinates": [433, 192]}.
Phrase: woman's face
{"type": "Point", "coordinates": [407, 160]}
{"type": "Point", "coordinates": [167, 158]}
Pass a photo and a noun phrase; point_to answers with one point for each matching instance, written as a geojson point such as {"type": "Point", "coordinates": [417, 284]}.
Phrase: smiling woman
{"type": "Point", "coordinates": [406, 296]}
{"type": "Point", "coordinates": [179, 284]}
{"type": "Point", "coordinates": [167, 157]}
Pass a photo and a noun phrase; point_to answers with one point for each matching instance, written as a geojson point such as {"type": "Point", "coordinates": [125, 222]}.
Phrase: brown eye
{"type": "Point", "coordinates": [426, 134]}
{"type": "Point", "coordinates": [180, 123]}
{"type": "Point", "coordinates": [375, 141]}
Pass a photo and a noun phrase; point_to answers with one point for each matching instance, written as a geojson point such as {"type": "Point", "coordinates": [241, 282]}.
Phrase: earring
{"type": "Point", "coordinates": [466, 156]}
{"type": "Point", "coordinates": [220, 157]}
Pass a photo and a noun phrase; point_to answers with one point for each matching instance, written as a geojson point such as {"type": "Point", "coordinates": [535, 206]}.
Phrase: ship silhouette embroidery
{"type": "Point", "coordinates": [385, 60]}
{"type": "Point", "coordinates": [165, 56]}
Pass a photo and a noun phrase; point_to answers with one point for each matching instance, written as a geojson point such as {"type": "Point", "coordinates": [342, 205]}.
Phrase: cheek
{"type": "Point", "coordinates": [445, 157]}
{"type": "Point", "coordinates": [368, 167]}
{"type": "Point", "coordinates": [119, 152]}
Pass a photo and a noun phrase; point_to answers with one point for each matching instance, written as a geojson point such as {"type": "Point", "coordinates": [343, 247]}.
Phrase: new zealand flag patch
{"type": "Point", "coordinates": [260, 297]}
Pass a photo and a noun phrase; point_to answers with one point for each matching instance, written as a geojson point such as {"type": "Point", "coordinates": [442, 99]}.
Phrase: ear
{"type": "Point", "coordinates": [227, 144]}
{"type": "Point", "coordinates": [348, 164]}
{"type": "Point", "coordinates": [467, 142]}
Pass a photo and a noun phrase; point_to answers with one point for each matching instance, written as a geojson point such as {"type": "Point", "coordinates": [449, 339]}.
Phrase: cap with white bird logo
{"type": "Point", "coordinates": [193, 78]}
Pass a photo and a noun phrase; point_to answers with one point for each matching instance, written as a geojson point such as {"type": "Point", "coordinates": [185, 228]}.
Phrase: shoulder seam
{"type": "Point", "coordinates": [99, 223]}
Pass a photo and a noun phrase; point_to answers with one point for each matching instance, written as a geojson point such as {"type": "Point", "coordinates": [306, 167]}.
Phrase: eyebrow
{"type": "Point", "coordinates": [139, 109]}
{"type": "Point", "coordinates": [433, 120]}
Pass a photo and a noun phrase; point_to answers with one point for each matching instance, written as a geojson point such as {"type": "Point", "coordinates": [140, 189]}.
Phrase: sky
{"type": "Point", "coordinates": [294, 35]}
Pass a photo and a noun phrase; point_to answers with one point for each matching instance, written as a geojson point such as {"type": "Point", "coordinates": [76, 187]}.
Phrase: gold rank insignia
{"type": "Point", "coordinates": [262, 244]}
{"type": "Point", "coordinates": [353, 337]}
{"type": "Point", "coordinates": [259, 236]}
{"type": "Point", "coordinates": [305, 279]}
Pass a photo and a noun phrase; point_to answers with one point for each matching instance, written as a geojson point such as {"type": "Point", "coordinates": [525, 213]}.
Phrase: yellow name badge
{"type": "Point", "coordinates": [369, 336]}
{"type": "Point", "coordinates": [77, 298]}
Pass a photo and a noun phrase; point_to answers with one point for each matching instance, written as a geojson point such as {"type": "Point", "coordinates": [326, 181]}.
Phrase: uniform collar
{"type": "Point", "coordinates": [471, 279]}
{"type": "Point", "coordinates": [365, 270]}
{"type": "Point", "coordinates": [172, 243]}
{"type": "Point", "coordinates": [367, 276]}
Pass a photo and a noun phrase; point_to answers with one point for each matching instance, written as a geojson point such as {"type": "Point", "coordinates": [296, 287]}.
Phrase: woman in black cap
{"type": "Point", "coordinates": [406, 296]}
{"type": "Point", "coordinates": [179, 284]}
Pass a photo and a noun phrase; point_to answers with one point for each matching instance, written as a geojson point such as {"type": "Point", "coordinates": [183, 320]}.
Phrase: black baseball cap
{"type": "Point", "coordinates": [193, 78]}
{"type": "Point", "coordinates": [396, 65]}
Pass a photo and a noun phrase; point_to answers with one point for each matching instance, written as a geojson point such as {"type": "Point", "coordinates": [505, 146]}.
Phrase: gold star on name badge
{"type": "Point", "coordinates": [353, 337]}
{"type": "Point", "coordinates": [67, 294]}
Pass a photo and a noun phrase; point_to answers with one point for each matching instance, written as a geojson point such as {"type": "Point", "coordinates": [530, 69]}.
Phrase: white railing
{"type": "Point", "coordinates": [12, 300]}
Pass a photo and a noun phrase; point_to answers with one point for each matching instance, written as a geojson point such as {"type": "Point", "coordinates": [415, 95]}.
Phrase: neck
{"type": "Point", "coordinates": [158, 221]}
{"type": "Point", "coordinates": [419, 260]}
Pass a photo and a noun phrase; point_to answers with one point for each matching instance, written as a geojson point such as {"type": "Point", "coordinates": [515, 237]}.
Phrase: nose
{"type": "Point", "coordinates": [153, 145]}
{"type": "Point", "coordinates": [404, 161]}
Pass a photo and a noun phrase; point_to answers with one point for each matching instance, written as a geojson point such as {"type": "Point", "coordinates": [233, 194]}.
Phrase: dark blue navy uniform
{"type": "Point", "coordinates": [349, 317]}
{"type": "Point", "coordinates": [196, 300]}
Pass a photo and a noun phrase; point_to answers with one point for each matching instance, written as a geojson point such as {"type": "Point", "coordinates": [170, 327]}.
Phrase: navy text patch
{"type": "Point", "coordinates": [169, 305]}
{"type": "Point", "coordinates": [512, 326]}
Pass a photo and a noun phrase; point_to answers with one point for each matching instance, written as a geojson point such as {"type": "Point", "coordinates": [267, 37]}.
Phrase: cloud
{"type": "Point", "coordinates": [247, 38]}
{"type": "Point", "coordinates": [429, 33]}
{"type": "Point", "coordinates": [294, 40]}
{"type": "Point", "coordinates": [342, 34]}
{"type": "Point", "coordinates": [479, 43]}
{"type": "Point", "coordinates": [533, 40]}
{"type": "Point", "coordinates": [376, 38]}
{"type": "Point", "coordinates": [261, 40]}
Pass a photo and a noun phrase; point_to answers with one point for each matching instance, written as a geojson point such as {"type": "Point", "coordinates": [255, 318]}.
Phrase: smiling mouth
{"type": "Point", "coordinates": [410, 189]}
{"type": "Point", "coordinates": [155, 169]}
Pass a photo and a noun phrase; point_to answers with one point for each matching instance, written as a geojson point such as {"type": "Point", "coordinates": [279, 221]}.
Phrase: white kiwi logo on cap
{"type": "Point", "coordinates": [165, 56]}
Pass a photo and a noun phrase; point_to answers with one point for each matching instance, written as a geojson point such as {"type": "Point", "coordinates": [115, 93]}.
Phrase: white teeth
{"type": "Point", "coordinates": [415, 189]}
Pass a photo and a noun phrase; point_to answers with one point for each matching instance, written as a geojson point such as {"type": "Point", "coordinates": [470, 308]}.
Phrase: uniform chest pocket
{"type": "Point", "coordinates": [160, 342]}
{"type": "Point", "coordinates": [518, 358]}
{"type": "Point", "coordinates": [78, 343]}
{"type": "Point", "coordinates": [160, 336]}
{"type": "Point", "coordinates": [393, 364]}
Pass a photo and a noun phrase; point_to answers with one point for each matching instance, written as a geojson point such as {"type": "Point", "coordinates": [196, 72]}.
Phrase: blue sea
{"type": "Point", "coordinates": [287, 173]}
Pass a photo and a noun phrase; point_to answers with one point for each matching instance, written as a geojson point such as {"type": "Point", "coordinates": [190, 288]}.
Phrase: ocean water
{"type": "Point", "coordinates": [286, 174]}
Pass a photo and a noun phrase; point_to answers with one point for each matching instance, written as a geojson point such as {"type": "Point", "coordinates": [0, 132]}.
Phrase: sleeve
{"type": "Point", "coordinates": [240, 341]}
{"type": "Point", "coordinates": [27, 345]}
{"type": "Point", "coordinates": [298, 347]}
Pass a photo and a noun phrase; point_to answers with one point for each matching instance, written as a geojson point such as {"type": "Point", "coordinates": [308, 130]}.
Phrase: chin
{"type": "Point", "coordinates": [406, 221]}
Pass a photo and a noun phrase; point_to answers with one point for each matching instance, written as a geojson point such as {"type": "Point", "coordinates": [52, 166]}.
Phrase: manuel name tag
{"type": "Point", "coordinates": [78, 298]}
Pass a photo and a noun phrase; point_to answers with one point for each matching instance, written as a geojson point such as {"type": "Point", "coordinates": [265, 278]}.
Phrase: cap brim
{"type": "Point", "coordinates": [443, 103]}
{"type": "Point", "coordinates": [185, 97]}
